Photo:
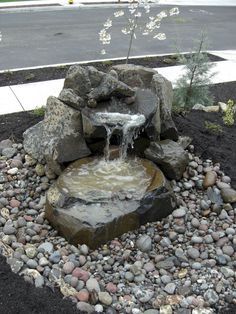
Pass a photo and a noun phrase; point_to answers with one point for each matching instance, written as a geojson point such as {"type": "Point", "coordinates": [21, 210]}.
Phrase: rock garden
{"type": "Point", "coordinates": [168, 246]}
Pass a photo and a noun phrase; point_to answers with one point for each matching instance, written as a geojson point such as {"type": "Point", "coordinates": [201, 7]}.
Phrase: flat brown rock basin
{"type": "Point", "coordinates": [93, 201]}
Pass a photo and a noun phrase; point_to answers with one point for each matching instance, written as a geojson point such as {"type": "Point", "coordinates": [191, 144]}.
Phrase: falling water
{"type": "Point", "coordinates": [128, 124]}
{"type": "Point", "coordinates": [103, 179]}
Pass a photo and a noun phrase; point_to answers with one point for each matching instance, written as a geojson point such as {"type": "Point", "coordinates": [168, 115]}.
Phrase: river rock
{"type": "Point", "coordinates": [228, 195]}
{"type": "Point", "coordinates": [92, 284]}
{"type": "Point", "coordinates": [210, 179]}
{"type": "Point", "coordinates": [211, 296]}
{"type": "Point", "coordinates": [171, 157]}
{"type": "Point", "coordinates": [105, 298]}
{"type": "Point", "coordinates": [144, 243]}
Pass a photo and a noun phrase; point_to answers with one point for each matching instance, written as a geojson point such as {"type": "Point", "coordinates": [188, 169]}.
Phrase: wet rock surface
{"type": "Point", "coordinates": [94, 220]}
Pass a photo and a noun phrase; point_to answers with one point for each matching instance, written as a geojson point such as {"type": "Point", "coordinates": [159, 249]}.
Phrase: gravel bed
{"type": "Point", "coordinates": [183, 264]}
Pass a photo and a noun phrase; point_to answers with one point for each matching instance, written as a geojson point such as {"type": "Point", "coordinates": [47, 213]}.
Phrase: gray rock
{"type": "Point", "coordinates": [144, 243]}
{"type": "Point", "coordinates": [165, 242]}
{"type": "Point", "coordinates": [85, 307]}
{"type": "Point", "coordinates": [61, 128]}
{"type": "Point", "coordinates": [5, 144]}
{"type": "Point", "coordinates": [211, 296]}
{"type": "Point", "coordinates": [135, 75]}
{"type": "Point", "coordinates": [31, 263]}
{"type": "Point", "coordinates": [163, 89]}
{"type": "Point", "coordinates": [170, 288]}
{"type": "Point", "coordinates": [179, 212]}
{"type": "Point", "coordinates": [110, 87]}
{"type": "Point", "coordinates": [9, 152]}
{"type": "Point", "coordinates": [92, 284]}
{"type": "Point", "coordinates": [193, 253]}
{"type": "Point", "coordinates": [69, 97]}
{"type": "Point", "coordinates": [227, 272]}
{"type": "Point", "coordinates": [55, 257]}
{"type": "Point", "coordinates": [151, 311]}
{"type": "Point", "coordinates": [15, 264]}
{"type": "Point", "coordinates": [77, 79]}
{"type": "Point", "coordinates": [170, 156]}
{"type": "Point", "coordinates": [9, 229]}
{"type": "Point", "coordinates": [46, 247]}
{"type": "Point", "coordinates": [39, 282]}
{"type": "Point", "coordinates": [129, 276]}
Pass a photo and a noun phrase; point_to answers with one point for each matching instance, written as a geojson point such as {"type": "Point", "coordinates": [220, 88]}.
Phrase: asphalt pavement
{"type": "Point", "coordinates": [37, 38]}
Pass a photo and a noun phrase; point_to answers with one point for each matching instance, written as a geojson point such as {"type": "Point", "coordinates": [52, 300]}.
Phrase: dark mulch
{"type": "Point", "coordinates": [220, 147]}
{"type": "Point", "coordinates": [20, 297]}
{"type": "Point", "coordinates": [58, 72]}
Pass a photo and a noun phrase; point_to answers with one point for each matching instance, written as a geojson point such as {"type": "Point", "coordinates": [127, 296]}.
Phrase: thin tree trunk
{"type": "Point", "coordinates": [189, 91]}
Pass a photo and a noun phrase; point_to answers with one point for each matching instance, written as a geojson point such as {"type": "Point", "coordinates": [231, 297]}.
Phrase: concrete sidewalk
{"type": "Point", "coordinates": [29, 96]}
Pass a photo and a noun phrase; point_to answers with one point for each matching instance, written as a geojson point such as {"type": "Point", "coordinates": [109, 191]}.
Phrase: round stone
{"type": "Point", "coordinates": [179, 212]}
{"type": "Point", "coordinates": [31, 263]}
{"type": "Point", "coordinates": [170, 288]}
{"type": "Point", "coordinates": [80, 274]}
{"type": "Point", "coordinates": [193, 253]}
{"type": "Point", "coordinates": [13, 171]}
{"type": "Point", "coordinates": [144, 243]}
{"type": "Point", "coordinates": [98, 308]}
{"type": "Point", "coordinates": [211, 296]}
{"type": "Point", "coordinates": [9, 229]}
{"type": "Point", "coordinates": [40, 170]}
{"type": "Point", "coordinates": [85, 307]}
{"type": "Point", "coordinates": [228, 250]}
{"type": "Point", "coordinates": [105, 298]}
{"type": "Point", "coordinates": [129, 276]}
{"type": "Point", "coordinates": [68, 267]}
{"type": "Point", "coordinates": [92, 284]}
{"type": "Point", "coordinates": [111, 287]}
{"type": "Point", "coordinates": [210, 179]}
{"type": "Point", "coordinates": [83, 295]}
{"type": "Point", "coordinates": [46, 247]}
{"type": "Point", "coordinates": [196, 240]}
{"type": "Point", "coordinates": [228, 195]}
{"type": "Point", "coordinates": [84, 250]}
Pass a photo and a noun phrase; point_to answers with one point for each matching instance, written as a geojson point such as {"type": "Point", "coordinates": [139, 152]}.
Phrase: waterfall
{"type": "Point", "coordinates": [128, 124]}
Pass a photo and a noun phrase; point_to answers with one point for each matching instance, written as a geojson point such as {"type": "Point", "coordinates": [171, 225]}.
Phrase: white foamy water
{"type": "Point", "coordinates": [128, 123]}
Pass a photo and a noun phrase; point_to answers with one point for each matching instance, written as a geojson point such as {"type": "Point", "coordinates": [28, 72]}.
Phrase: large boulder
{"type": "Point", "coordinates": [95, 222]}
{"type": "Point", "coordinates": [58, 137]}
{"type": "Point", "coordinates": [170, 156]}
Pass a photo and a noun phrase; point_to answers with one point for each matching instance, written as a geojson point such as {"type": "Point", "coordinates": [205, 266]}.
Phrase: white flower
{"type": "Point", "coordinates": [174, 11]}
{"type": "Point", "coordinates": [103, 51]}
{"type": "Point", "coordinates": [161, 15]}
{"type": "Point", "coordinates": [160, 36]}
{"type": "Point", "coordinates": [138, 14]}
{"type": "Point", "coordinates": [119, 13]}
{"type": "Point", "coordinates": [125, 31]}
{"type": "Point", "coordinates": [104, 37]}
{"type": "Point", "coordinates": [108, 23]}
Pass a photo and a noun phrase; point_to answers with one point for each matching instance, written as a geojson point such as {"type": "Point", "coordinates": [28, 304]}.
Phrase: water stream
{"type": "Point", "coordinates": [128, 124]}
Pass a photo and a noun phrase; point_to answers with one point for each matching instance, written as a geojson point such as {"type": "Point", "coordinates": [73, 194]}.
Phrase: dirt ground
{"type": "Point", "coordinates": [58, 72]}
